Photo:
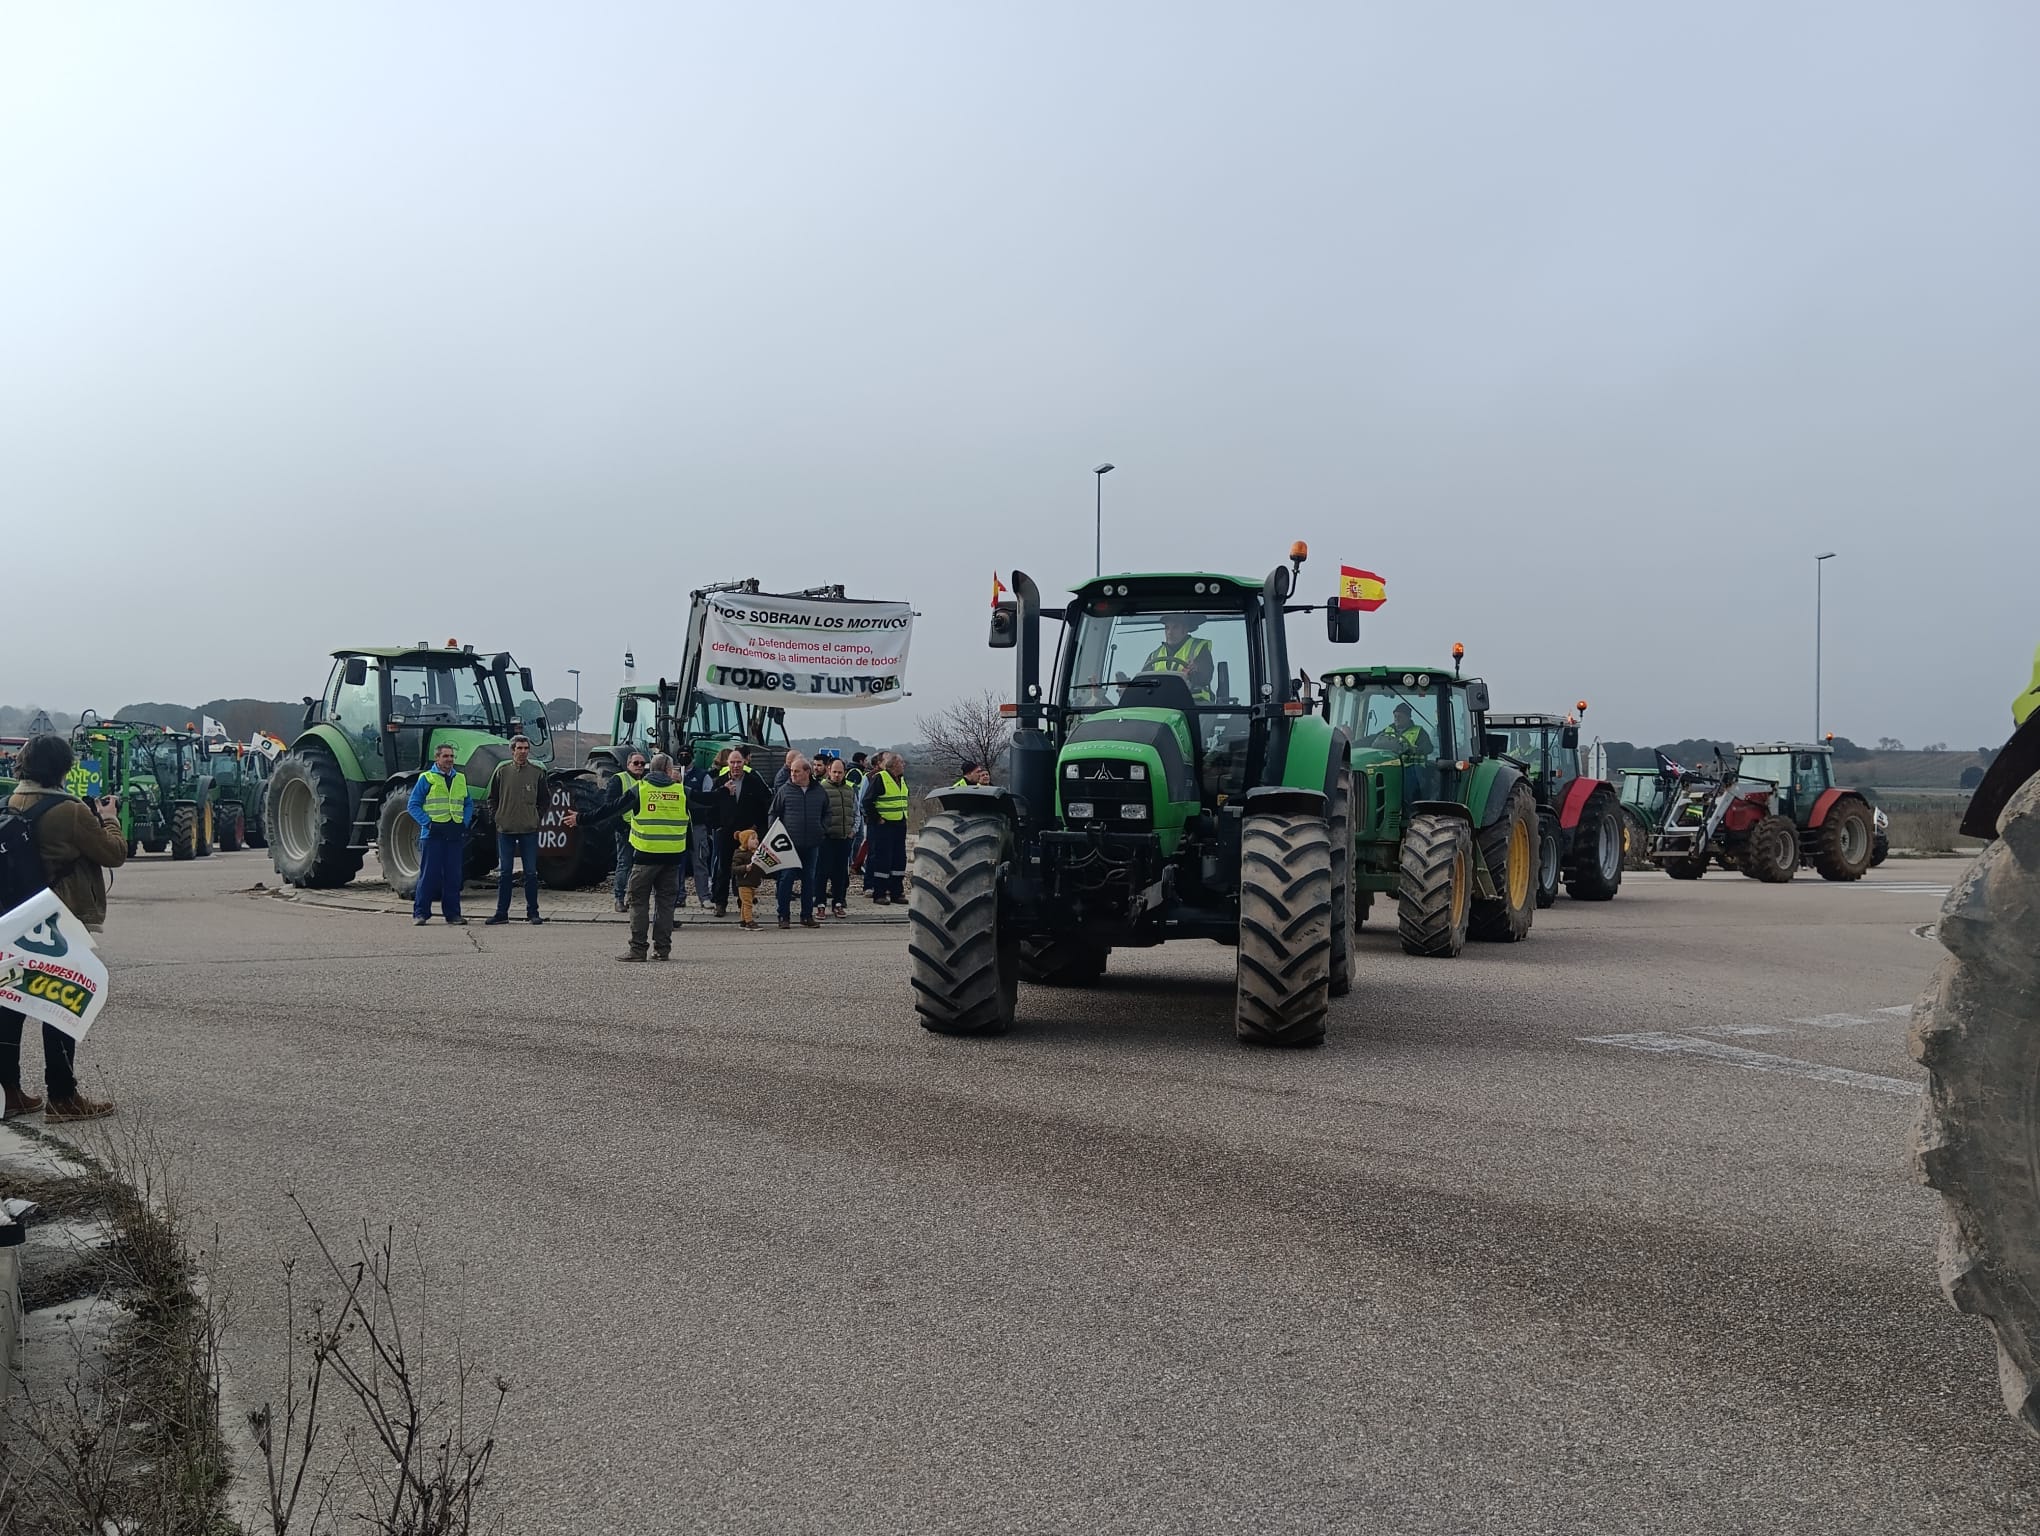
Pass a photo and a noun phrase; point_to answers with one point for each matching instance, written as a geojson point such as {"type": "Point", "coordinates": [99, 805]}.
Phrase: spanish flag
{"type": "Point", "coordinates": [998, 589]}
{"type": "Point", "coordinates": [1361, 589]}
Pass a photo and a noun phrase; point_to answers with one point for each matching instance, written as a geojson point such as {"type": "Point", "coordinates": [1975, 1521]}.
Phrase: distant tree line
{"type": "Point", "coordinates": [240, 717]}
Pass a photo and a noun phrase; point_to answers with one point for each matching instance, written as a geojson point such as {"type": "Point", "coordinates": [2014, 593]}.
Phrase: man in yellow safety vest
{"type": "Point", "coordinates": [440, 805]}
{"type": "Point", "coordinates": [885, 821]}
{"type": "Point", "coordinates": [1183, 652]}
{"type": "Point", "coordinates": [654, 809]}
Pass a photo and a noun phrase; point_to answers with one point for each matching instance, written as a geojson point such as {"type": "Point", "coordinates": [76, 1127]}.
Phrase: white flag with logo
{"type": "Point", "coordinates": [210, 730]}
{"type": "Point", "coordinates": [48, 969]}
{"type": "Point", "coordinates": [775, 852]}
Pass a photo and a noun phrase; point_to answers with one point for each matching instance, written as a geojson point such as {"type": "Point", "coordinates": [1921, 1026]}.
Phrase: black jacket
{"type": "Point", "coordinates": [803, 812]}
{"type": "Point", "coordinates": [749, 810]}
{"type": "Point", "coordinates": [627, 800]}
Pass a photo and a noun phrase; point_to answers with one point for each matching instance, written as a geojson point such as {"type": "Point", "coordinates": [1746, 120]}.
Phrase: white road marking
{"type": "Point", "coordinates": [1751, 1061]}
{"type": "Point", "coordinates": [1902, 887]}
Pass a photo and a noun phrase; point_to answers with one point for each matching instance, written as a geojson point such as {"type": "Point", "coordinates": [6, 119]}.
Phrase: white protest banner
{"type": "Point", "coordinates": [775, 852]}
{"type": "Point", "coordinates": [48, 969]}
{"type": "Point", "coordinates": [805, 652]}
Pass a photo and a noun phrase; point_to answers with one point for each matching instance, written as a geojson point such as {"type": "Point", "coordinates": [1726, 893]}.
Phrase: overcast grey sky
{"type": "Point", "coordinates": [1587, 325]}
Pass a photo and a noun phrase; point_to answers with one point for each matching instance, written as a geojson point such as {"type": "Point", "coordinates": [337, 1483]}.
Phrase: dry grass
{"type": "Point", "coordinates": [1929, 829]}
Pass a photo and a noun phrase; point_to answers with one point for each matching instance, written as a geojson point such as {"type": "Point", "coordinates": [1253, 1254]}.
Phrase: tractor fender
{"type": "Point", "coordinates": [1315, 756]}
{"type": "Point", "coordinates": [976, 800]}
{"type": "Point", "coordinates": [1286, 800]}
{"type": "Point", "coordinates": [1439, 808]}
{"type": "Point", "coordinates": [1489, 788]}
{"type": "Point", "coordinates": [1574, 805]}
{"type": "Point", "coordinates": [1827, 802]}
{"type": "Point", "coordinates": [334, 743]}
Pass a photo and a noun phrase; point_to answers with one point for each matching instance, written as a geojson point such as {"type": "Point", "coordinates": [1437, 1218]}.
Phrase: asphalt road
{"type": "Point", "coordinates": [1614, 1230]}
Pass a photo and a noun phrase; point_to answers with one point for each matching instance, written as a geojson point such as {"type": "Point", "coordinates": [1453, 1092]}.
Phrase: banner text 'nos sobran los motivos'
{"type": "Point", "coordinates": [805, 652]}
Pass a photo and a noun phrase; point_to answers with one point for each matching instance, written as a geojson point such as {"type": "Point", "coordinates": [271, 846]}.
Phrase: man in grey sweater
{"type": "Point", "coordinates": [516, 797]}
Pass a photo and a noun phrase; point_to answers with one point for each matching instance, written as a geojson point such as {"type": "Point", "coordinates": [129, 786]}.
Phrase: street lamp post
{"type": "Point", "coordinates": [575, 674]}
{"type": "Point", "coordinates": [1819, 561]}
{"type": "Point", "coordinates": [1098, 527]}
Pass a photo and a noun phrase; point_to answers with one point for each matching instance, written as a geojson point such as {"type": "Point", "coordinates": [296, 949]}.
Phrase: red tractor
{"type": "Point", "coordinates": [1579, 819]}
{"type": "Point", "coordinates": [1777, 810]}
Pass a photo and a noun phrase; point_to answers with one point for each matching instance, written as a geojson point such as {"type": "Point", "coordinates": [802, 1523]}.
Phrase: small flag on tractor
{"type": "Point", "coordinates": [998, 589]}
{"type": "Point", "coordinates": [1361, 589]}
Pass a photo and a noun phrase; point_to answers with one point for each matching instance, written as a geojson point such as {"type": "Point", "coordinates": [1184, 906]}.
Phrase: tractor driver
{"type": "Point", "coordinates": [1407, 737]}
{"type": "Point", "coordinates": [1181, 652]}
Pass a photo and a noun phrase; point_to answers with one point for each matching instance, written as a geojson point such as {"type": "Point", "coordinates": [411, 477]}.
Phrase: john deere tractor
{"type": "Point", "coordinates": [156, 776]}
{"type": "Point", "coordinates": [1169, 781]}
{"type": "Point", "coordinates": [1443, 821]}
{"type": "Point", "coordinates": [345, 784]}
{"type": "Point", "coordinates": [1580, 823]}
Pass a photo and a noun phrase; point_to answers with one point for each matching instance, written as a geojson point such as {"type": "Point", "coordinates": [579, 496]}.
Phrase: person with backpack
{"type": "Point", "coordinates": [68, 846]}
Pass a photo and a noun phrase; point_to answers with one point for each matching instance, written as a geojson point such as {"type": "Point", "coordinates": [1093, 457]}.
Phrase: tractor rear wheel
{"type": "Point", "coordinates": [1062, 963]}
{"type": "Point", "coordinates": [1772, 852]}
{"type": "Point", "coordinates": [1434, 890]}
{"type": "Point", "coordinates": [397, 845]}
{"type": "Point", "coordinates": [964, 957]}
{"type": "Point", "coordinates": [1283, 973]}
{"type": "Point", "coordinates": [204, 845]}
{"type": "Point", "coordinates": [1979, 1141]}
{"type": "Point", "coordinates": [184, 831]}
{"type": "Point", "coordinates": [1843, 844]}
{"type": "Point", "coordinates": [1343, 922]}
{"type": "Point", "coordinates": [1635, 841]}
{"type": "Point", "coordinates": [228, 826]}
{"type": "Point", "coordinates": [1596, 873]}
{"type": "Point", "coordinates": [1550, 858]}
{"type": "Point", "coordinates": [310, 820]}
{"type": "Point", "coordinates": [1509, 849]}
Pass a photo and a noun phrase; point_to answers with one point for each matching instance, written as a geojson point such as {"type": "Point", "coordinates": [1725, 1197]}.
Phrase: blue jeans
{"type": "Point", "coordinates": [439, 869]}
{"type": "Point", "coordinates": [806, 876]}
{"type": "Point", "coordinates": [508, 845]}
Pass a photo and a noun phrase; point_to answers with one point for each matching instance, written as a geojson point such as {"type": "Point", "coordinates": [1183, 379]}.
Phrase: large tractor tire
{"type": "Point", "coordinates": [1344, 920]}
{"type": "Point", "coordinates": [1843, 846]}
{"type": "Point", "coordinates": [1283, 973]}
{"type": "Point", "coordinates": [1434, 891]}
{"type": "Point", "coordinates": [1687, 869]}
{"type": "Point", "coordinates": [1509, 849]}
{"type": "Point", "coordinates": [157, 846]}
{"type": "Point", "coordinates": [204, 845]}
{"type": "Point", "coordinates": [1062, 963]}
{"type": "Point", "coordinates": [964, 957]}
{"type": "Point", "coordinates": [1772, 852]}
{"type": "Point", "coordinates": [1550, 858]}
{"type": "Point", "coordinates": [1979, 1141]}
{"type": "Point", "coordinates": [257, 838]}
{"type": "Point", "coordinates": [1596, 872]}
{"type": "Point", "coordinates": [184, 830]}
{"type": "Point", "coordinates": [1635, 841]}
{"type": "Point", "coordinates": [397, 845]}
{"type": "Point", "coordinates": [229, 825]}
{"type": "Point", "coordinates": [311, 821]}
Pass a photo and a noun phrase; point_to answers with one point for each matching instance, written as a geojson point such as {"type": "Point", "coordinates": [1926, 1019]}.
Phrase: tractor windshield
{"type": "Point", "coordinates": [1400, 719]}
{"type": "Point", "coordinates": [640, 734]}
{"type": "Point", "coordinates": [1114, 643]}
{"type": "Point", "coordinates": [1771, 767]}
{"type": "Point", "coordinates": [444, 694]}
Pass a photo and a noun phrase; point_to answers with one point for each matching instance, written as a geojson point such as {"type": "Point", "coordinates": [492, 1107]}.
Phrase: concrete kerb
{"type": "Point", "coordinates": [594, 906]}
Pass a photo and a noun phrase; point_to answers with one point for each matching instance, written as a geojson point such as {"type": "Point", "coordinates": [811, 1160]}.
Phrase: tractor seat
{"type": "Point", "coordinates": [1158, 690]}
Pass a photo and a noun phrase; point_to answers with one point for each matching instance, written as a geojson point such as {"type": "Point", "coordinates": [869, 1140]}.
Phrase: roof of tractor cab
{"type": "Point", "coordinates": [1395, 675]}
{"type": "Point", "coordinates": [1786, 746]}
{"type": "Point", "coordinates": [1164, 581]}
{"type": "Point", "coordinates": [433, 652]}
{"type": "Point", "coordinates": [1504, 718]}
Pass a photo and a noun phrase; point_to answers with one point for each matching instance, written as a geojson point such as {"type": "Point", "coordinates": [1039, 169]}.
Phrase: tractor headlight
{"type": "Point", "coordinates": [1080, 810]}
{"type": "Point", "coordinates": [1069, 770]}
{"type": "Point", "coordinates": [1134, 812]}
{"type": "Point", "coordinates": [1137, 772]}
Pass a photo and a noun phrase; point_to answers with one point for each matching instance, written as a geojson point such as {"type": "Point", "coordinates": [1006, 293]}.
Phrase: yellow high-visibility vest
{"type": "Point", "coordinates": [2027, 702]}
{"type": "Point", "coordinates": [444, 798]}
{"type": "Point", "coordinates": [628, 780]}
{"type": "Point", "coordinates": [892, 798]}
{"type": "Point", "coordinates": [660, 823]}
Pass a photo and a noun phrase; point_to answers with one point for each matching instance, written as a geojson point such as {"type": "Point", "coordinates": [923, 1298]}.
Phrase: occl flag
{"type": "Point", "coordinates": [1361, 589]}
{"type": "Point", "coordinates": [47, 967]}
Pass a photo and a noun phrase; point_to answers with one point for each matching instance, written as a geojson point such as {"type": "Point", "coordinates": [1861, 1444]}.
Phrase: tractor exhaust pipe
{"type": "Point", "coordinates": [1032, 761]}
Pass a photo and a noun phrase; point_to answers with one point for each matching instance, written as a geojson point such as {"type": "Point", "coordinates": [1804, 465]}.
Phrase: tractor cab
{"type": "Point", "coordinates": [1419, 730]}
{"type": "Point", "coordinates": [395, 707]}
{"type": "Point", "coordinates": [1548, 747]}
{"type": "Point", "coordinates": [1800, 773]}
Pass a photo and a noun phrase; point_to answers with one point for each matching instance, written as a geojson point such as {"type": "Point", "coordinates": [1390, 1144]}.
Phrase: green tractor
{"type": "Point", "coordinates": [1581, 833]}
{"type": "Point", "coordinates": [241, 783]}
{"type": "Point", "coordinates": [345, 784]}
{"type": "Point", "coordinates": [157, 777]}
{"type": "Point", "coordinates": [1443, 821]}
{"type": "Point", "coordinates": [1172, 783]}
{"type": "Point", "coordinates": [1646, 793]}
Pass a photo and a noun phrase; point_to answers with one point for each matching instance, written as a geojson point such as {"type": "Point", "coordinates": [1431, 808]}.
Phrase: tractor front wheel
{"type": "Point", "coordinates": [310, 821]}
{"type": "Point", "coordinates": [229, 827]}
{"type": "Point", "coordinates": [964, 958]}
{"type": "Point", "coordinates": [1596, 873]}
{"type": "Point", "coordinates": [1434, 890]}
{"type": "Point", "coordinates": [397, 846]}
{"type": "Point", "coordinates": [1845, 841]}
{"type": "Point", "coordinates": [184, 831]}
{"type": "Point", "coordinates": [1509, 849]}
{"type": "Point", "coordinates": [1772, 852]}
{"type": "Point", "coordinates": [204, 824]}
{"type": "Point", "coordinates": [1550, 858]}
{"type": "Point", "coordinates": [1635, 841]}
{"type": "Point", "coordinates": [1283, 973]}
{"type": "Point", "coordinates": [1062, 963]}
{"type": "Point", "coordinates": [1343, 922]}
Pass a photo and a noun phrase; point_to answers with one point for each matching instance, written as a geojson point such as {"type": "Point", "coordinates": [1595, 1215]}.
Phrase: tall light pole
{"type": "Point", "coordinates": [575, 674]}
{"type": "Point", "coordinates": [1098, 528]}
{"type": "Point", "coordinates": [1819, 561]}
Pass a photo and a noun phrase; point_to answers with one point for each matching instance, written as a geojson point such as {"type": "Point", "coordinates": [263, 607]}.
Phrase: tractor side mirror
{"type": "Point", "coordinates": [1342, 625]}
{"type": "Point", "coordinates": [311, 712]}
{"type": "Point", "coordinates": [1494, 744]}
{"type": "Point", "coordinates": [1005, 625]}
{"type": "Point", "coordinates": [357, 671]}
{"type": "Point", "coordinates": [630, 711]}
{"type": "Point", "coordinates": [1477, 697]}
{"type": "Point", "coordinates": [524, 677]}
{"type": "Point", "coordinates": [1222, 683]}
{"type": "Point", "coordinates": [1569, 737]}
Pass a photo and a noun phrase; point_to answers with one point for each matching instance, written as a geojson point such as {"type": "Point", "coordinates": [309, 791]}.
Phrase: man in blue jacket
{"type": "Point", "coordinates": [442, 809]}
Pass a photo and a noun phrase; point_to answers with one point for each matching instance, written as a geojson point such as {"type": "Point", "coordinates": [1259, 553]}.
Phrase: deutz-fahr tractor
{"type": "Point", "coordinates": [345, 784]}
{"type": "Point", "coordinates": [1169, 781]}
{"type": "Point", "coordinates": [677, 718]}
{"type": "Point", "coordinates": [241, 783]}
{"type": "Point", "coordinates": [1580, 825]}
{"type": "Point", "coordinates": [1442, 820]}
{"type": "Point", "coordinates": [1776, 810]}
{"type": "Point", "coordinates": [157, 777]}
